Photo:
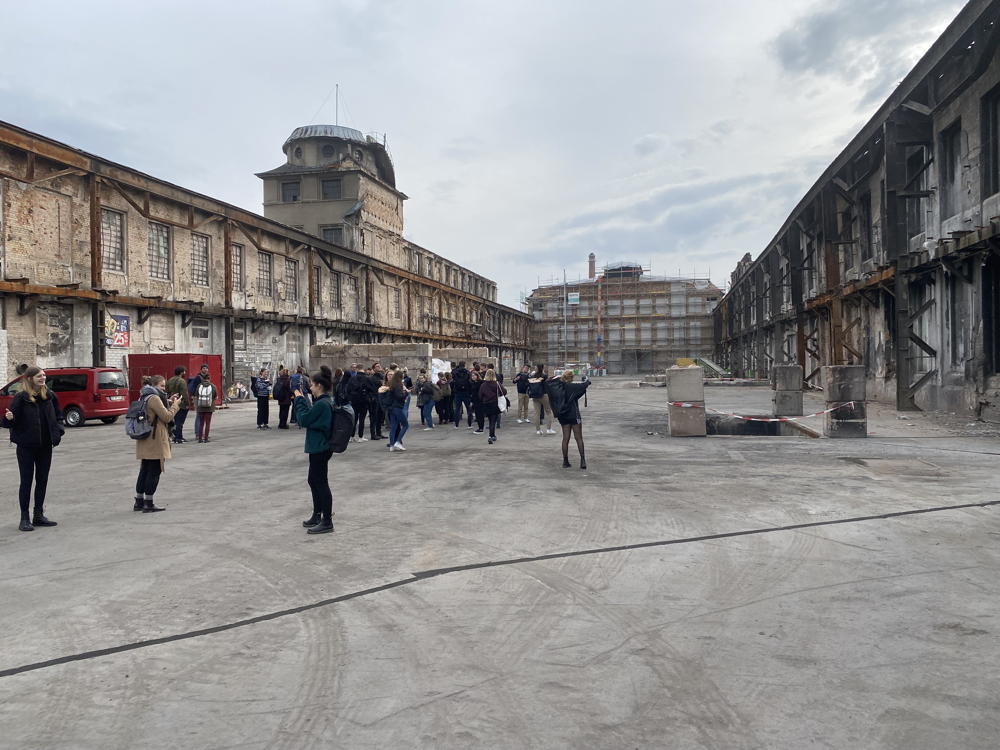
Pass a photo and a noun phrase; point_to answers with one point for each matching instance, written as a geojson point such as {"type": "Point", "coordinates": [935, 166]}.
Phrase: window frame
{"type": "Point", "coordinates": [333, 228]}
{"type": "Point", "coordinates": [339, 182]}
{"type": "Point", "coordinates": [298, 191]}
{"type": "Point", "coordinates": [265, 282]}
{"type": "Point", "coordinates": [237, 265]}
{"type": "Point", "coordinates": [990, 119]}
{"type": "Point", "coordinates": [122, 252]}
{"type": "Point", "coordinates": [291, 281]}
{"type": "Point", "coordinates": [195, 269]}
{"type": "Point", "coordinates": [156, 262]}
{"type": "Point", "coordinates": [950, 172]}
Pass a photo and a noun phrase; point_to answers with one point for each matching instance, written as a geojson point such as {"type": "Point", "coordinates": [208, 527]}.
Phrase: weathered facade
{"type": "Point", "coordinates": [623, 320]}
{"type": "Point", "coordinates": [892, 259]}
{"type": "Point", "coordinates": [100, 261]}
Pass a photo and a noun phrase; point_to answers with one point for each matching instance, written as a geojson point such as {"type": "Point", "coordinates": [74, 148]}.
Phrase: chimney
{"type": "Point", "coordinates": [592, 266]}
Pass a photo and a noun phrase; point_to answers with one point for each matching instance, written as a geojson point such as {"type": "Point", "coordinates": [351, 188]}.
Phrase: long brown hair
{"type": "Point", "coordinates": [29, 385]}
{"type": "Point", "coordinates": [397, 379]}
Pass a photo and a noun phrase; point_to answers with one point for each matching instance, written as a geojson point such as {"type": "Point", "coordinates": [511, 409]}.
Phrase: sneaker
{"type": "Point", "coordinates": [470, 427]}
{"type": "Point", "coordinates": [428, 428]}
{"type": "Point", "coordinates": [550, 431]}
{"type": "Point", "coordinates": [538, 432]}
{"type": "Point", "coordinates": [477, 432]}
{"type": "Point", "coordinates": [399, 447]}
{"type": "Point", "coordinates": [362, 440]}
{"type": "Point", "coordinates": [392, 448]}
{"type": "Point", "coordinates": [491, 440]}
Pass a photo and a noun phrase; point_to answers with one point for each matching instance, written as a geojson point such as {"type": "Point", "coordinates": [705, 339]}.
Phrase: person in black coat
{"type": "Point", "coordinates": [33, 420]}
{"type": "Point", "coordinates": [376, 414]}
{"type": "Point", "coordinates": [564, 397]}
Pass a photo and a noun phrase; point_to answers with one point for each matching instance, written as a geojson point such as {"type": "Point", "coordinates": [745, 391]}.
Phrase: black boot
{"type": "Point", "coordinates": [148, 506]}
{"type": "Point", "coordinates": [583, 462]}
{"type": "Point", "coordinates": [139, 503]}
{"type": "Point", "coordinates": [325, 526]}
{"type": "Point", "coordinates": [312, 520]}
{"type": "Point", "coordinates": [565, 462]}
{"type": "Point", "coordinates": [25, 523]}
{"type": "Point", "coordinates": [41, 520]}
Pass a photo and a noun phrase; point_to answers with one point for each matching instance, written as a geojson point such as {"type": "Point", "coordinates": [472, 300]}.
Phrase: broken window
{"type": "Point", "coordinates": [159, 251]}
{"type": "Point", "coordinates": [331, 189]}
{"type": "Point", "coordinates": [991, 143]}
{"type": "Point", "coordinates": [265, 274]}
{"type": "Point", "coordinates": [199, 259]}
{"type": "Point", "coordinates": [237, 261]}
{"type": "Point", "coordinates": [112, 240]}
{"type": "Point", "coordinates": [951, 170]}
{"type": "Point", "coordinates": [291, 279]}
{"type": "Point", "coordinates": [289, 192]}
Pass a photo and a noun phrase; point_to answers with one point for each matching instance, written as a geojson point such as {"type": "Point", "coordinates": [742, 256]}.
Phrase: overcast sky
{"type": "Point", "coordinates": [527, 134]}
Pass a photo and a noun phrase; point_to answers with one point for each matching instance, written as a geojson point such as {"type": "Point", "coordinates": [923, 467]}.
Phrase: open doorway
{"type": "Point", "coordinates": [991, 314]}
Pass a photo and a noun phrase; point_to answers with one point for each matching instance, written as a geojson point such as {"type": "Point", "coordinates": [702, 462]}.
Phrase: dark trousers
{"type": "Point", "coordinates": [459, 399]}
{"type": "Point", "coordinates": [149, 477]}
{"type": "Point", "coordinates": [33, 463]}
{"type": "Point", "coordinates": [477, 409]}
{"type": "Point", "coordinates": [494, 421]}
{"type": "Point", "coordinates": [375, 418]}
{"type": "Point", "coordinates": [179, 418]}
{"type": "Point", "coordinates": [263, 407]}
{"type": "Point", "coordinates": [360, 412]}
{"type": "Point", "coordinates": [204, 425]}
{"type": "Point", "coordinates": [319, 483]}
{"type": "Point", "coordinates": [283, 415]}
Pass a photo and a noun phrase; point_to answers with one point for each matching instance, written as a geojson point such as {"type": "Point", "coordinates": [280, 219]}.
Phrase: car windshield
{"type": "Point", "coordinates": [109, 380]}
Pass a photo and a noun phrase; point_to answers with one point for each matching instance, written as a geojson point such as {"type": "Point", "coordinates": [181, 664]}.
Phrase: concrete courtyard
{"type": "Point", "coordinates": [721, 592]}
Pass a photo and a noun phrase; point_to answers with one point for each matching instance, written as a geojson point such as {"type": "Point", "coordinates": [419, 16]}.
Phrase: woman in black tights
{"type": "Point", "coordinates": [565, 395]}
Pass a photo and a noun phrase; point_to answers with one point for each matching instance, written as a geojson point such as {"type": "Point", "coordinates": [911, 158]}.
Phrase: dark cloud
{"type": "Point", "coordinates": [865, 41]}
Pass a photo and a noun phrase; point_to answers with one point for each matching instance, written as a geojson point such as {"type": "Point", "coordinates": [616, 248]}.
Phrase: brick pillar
{"type": "Point", "coordinates": [686, 385]}
{"type": "Point", "coordinates": [786, 380]}
{"type": "Point", "coordinates": [843, 384]}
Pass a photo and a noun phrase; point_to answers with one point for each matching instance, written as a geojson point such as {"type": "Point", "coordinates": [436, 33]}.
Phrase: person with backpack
{"type": "Point", "coordinates": [33, 421]}
{"type": "Point", "coordinates": [540, 400]}
{"type": "Point", "coordinates": [318, 423]}
{"type": "Point", "coordinates": [565, 395]}
{"type": "Point", "coordinates": [490, 393]}
{"type": "Point", "coordinates": [261, 386]}
{"type": "Point", "coordinates": [283, 395]}
{"type": "Point", "coordinates": [204, 407]}
{"type": "Point", "coordinates": [192, 387]}
{"type": "Point", "coordinates": [153, 450]}
{"type": "Point", "coordinates": [521, 382]}
{"type": "Point", "coordinates": [461, 387]}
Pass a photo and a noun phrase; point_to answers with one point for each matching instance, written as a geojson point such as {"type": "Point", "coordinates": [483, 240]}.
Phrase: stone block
{"type": "Point", "coordinates": [786, 377]}
{"type": "Point", "coordinates": [687, 421]}
{"type": "Point", "coordinates": [787, 403]}
{"type": "Point", "coordinates": [836, 428]}
{"type": "Point", "coordinates": [844, 383]}
{"type": "Point", "coordinates": [686, 384]}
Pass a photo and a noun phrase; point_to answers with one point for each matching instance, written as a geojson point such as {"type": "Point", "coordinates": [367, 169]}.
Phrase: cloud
{"type": "Point", "coordinates": [649, 144]}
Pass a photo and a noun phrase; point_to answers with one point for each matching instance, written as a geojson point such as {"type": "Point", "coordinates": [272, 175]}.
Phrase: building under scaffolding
{"type": "Point", "coordinates": [623, 319]}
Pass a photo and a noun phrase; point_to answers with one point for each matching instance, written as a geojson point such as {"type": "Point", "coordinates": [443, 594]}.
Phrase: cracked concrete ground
{"type": "Point", "coordinates": [875, 633]}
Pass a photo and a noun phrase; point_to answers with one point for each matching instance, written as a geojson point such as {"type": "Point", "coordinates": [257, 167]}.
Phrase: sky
{"type": "Point", "coordinates": [672, 133]}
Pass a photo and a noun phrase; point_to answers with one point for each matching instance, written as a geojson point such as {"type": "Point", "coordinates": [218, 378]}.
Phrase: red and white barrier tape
{"type": "Point", "coordinates": [686, 405]}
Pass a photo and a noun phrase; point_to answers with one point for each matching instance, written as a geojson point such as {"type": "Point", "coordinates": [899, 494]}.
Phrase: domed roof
{"type": "Point", "coordinates": [324, 131]}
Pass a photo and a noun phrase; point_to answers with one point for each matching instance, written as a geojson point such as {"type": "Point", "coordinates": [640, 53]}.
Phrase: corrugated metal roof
{"type": "Point", "coordinates": [325, 131]}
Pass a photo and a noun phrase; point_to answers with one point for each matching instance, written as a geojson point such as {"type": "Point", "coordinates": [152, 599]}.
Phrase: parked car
{"type": "Point", "coordinates": [83, 392]}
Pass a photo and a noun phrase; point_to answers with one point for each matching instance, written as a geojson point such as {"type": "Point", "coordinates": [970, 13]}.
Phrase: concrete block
{"type": "Point", "coordinates": [786, 377]}
{"type": "Point", "coordinates": [686, 384]}
{"type": "Point", "coordinates": [835, 428]}
{"type": "Point", "coordinates": [844, 383]}
{"type": "Point", "coordinates": [687, 421]}
{"type": "Point", "coordinates": [787, 403]}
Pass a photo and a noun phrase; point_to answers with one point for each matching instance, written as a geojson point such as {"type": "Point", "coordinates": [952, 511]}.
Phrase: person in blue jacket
{"type": "Point", "coordinates": [318, 421]}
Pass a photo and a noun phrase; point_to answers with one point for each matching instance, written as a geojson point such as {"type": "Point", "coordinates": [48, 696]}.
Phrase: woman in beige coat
{"type": "Point", "coordinates": [155, 449]}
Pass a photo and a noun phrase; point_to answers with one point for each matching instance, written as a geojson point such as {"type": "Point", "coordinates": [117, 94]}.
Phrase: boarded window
{"type": "Point", "coordinates": [159, 251]}
{"type": "Point", "coordinates": [265, 274]}
{"type": "Point", "coordinates": [199, 259]}
{"type": "Point", "coordinates": [112, 240]}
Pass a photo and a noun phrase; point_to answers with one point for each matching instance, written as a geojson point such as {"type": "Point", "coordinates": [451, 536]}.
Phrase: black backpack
{"type": "Point", "coordinates": [341, 428]}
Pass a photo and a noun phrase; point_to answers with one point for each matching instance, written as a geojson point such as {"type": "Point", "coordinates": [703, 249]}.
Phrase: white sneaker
{"type": "Point", "coordinates": [392, 448]}
{"type": "Point", "coordinates": [399, 447]}
{"type": "Point", "coordinates": [428, 428]}
{"type": "Point", "coordinates": [550, 431]}
{"type": "Point", "coordinates": [362, 440]}
{"type": "Point", "coordinates": [538, 432]}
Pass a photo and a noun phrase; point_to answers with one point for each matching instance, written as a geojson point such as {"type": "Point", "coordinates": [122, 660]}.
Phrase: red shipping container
{"type": "Point", "coordinates": [141, 365]}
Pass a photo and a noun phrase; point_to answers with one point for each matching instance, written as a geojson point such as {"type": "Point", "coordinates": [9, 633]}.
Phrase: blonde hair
{"type": "Point", "coordinates": [29, 385]}
{"type": "Point", "coordinates": [567, 376]}
{"type": "Point", "coordinates": [491, 376]}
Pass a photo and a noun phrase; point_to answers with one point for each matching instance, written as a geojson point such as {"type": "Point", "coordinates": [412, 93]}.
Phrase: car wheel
{"type": "Point", "coordinates": [109, 420]}
{"type": "Point", "coordinates": [73, 417]}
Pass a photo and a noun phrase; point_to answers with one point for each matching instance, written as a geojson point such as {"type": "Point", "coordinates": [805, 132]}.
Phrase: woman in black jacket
{"type": "Point", "coordinates": [489, 399]}
{"type": "Point", "coordinates": [33, 420]}
{"type": "Point", "coordinates": [564, 397]}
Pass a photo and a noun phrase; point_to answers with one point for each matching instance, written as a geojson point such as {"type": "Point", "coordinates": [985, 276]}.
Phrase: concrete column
{"type": "Point", "coordinates": [787, 397]}
{"type": "Point", "coordinates": [843, 384]}
{"type": "Point", "coordinates": [686, 385]}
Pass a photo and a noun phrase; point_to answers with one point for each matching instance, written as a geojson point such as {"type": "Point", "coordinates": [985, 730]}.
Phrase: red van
{"type": "Point", "coordinates": [83, 393]}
